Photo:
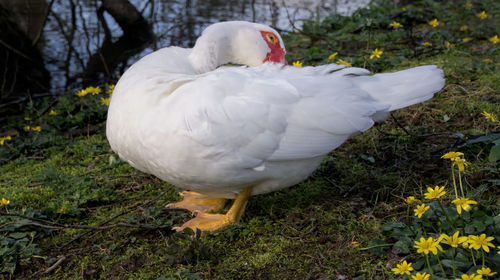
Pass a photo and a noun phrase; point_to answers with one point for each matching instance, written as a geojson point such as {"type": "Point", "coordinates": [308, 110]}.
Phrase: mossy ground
{"type": "Point", "coordinates": [67, 173]}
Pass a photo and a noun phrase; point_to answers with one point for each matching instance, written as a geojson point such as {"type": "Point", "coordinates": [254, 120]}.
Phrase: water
{"type": "Point", "coordinates": [73, 34]}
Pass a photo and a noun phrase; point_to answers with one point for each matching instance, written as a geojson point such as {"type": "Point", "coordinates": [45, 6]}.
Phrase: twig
{"type": "Point", "coordinates": [40, 31]}
{"type": "Point", "coordinates": [414, 135]}
{"type": "Point", "coordinates": [56, 264]}
{"type": "Point", "coordinates": [400, 125]}
{"type": "Point", "coordinates": [334, 184]}
{"type": "Point", "coordinates": [114, 217]}
{"type": "Point", "coordinates": [64, 226]}
{"type": "Point", "coordinates": [52, 225]}
{"type": "Point", "coordinates": [345, 194]}
{"type": "Point", "coordinates": [18, 52]}
{"type": "Point", "coordinates": [24, 98]}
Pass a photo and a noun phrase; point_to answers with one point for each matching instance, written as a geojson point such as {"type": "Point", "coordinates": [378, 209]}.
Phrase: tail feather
{"type": "Point", "coordinates": [403, 88]}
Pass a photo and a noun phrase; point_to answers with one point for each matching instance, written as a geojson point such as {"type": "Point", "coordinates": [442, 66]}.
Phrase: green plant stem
{"type": "Point", "coordinates": [441, 266]}
{"type": "Point", "coordinates": [473, 258]}
{"type": "Point", "coordinates": [453, 260]}
{"type": "Point", "coordinates": [482, 253]}
{"type": "Point", "coordinates": [429, 266]}
{"type": "Point", "coordinates": [375, 246]}
{"type": "Point", "coordinates": [460, 181]}
{"type": "Point", "coordinates": [432, 226]}
{"type": "Point", "coordinates": [408, 214]}
{"type": "Point", "coordinates": [446, 216]}
{"type": "Point", "coordinates": [463, 223]}
{"type": "Point", "coordinates": [454, 183]}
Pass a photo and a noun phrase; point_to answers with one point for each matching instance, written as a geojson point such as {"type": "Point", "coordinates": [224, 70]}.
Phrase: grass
{"type": "Point", "coordinates": [67, 173]}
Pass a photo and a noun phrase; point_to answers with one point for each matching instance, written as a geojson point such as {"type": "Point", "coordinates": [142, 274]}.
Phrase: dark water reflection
{"type": "Point", "coordinates": [91, 41]}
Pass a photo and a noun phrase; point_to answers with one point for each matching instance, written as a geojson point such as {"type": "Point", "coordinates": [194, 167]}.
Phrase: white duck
{"type": "Point", "coordinates": [234, 131]}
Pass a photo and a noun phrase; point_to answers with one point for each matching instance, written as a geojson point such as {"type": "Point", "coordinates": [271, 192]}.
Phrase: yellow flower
{"type": "Point", "coordinates": [94, 90]}
{"type": "Point", "coordinates": [355, 244]}
{"type": "Point", "coordinates": [481, 241]}
{"type": "Point", "coordinates": [452, 155]}
{"type": "Point", "coordinates": [468, 5]}
{"type": "Point", "coordinates": [482, 15]}
{"type": "Point", "coordinates": [105, 101]}
{"type": "Point", "coordinates": [343, 62]}
{"type": "Point", "coordinates": [332, 56]}
{"type": "Point", "coordinates": [437, 192]}
{"type": "Point", "coordinates": [91, 90]}
{"type": "Point", "coordinates": [52, 112]}
{"type": "Point", "coordinates": [64, 209]}
{"type": "Point", "coordinates": [434, 23]}
{"type": "Point", "coordinates": [297, 63]}
{"type": "Point", "coordinates": [428, 245]}
{"type": "Point", "coordinates": [460, 163]}
{"type": "Point", "coordinates": [470, 277]}
{"type": "Point", "coordinates": [3, 139]}
{"type": "Point", "coordinates": [487, 60]}
{"type": "Point", "coordinates": [110, 90]}
{"type": "Point", "coordinates": [418, 276]}
{"type": "Point", "coordinates": [4, 201]}
{"type": "Point", "coordinates": [494, 39]}
{"type": "Point", "coordinates": [454, 240]}
{"type": "Point", "coordinates": [486, 271]}
{"type": "Point", "coordinates": [376, 53]}
{"type": "Point", "coordinates": [27, 128]}
{"type": "Point", "coordinates": [27, 119]}
{"type": "Point", "coordinates": [464, 28]}
{"type": "Point", "coordinates": [395, 25]}
{"type": "Point", "coordinates": [37, 128]}
{"type": "Point", "coordinates": [468, 241]}
{"type": "Point", "coordinates": [403, 9]}
{"type": "Point", "coordinates": [427, 44]}
{"type": "Point", "coordinates": [82, 92]}
{"type": "Point", "coordinates": [411, 199]}
{"type": "Point", "coordinates": [490, 117]}
{"type": "Point", "coordinates": [457, 160]}
{"type": "Point", "coordinates": [463, 204]}
{"type": "Point", "coordinates": [420, 210]}
{"type": "Point", "coordinates": [449, 45]}
{"type": "Point", "coordinates": [403, 268]}
{"type": "Point", "coordinates": [466, 39]}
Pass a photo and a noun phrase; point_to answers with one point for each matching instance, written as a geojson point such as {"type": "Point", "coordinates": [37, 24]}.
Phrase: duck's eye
{"type": "Point", "coordinates": [271, 38]}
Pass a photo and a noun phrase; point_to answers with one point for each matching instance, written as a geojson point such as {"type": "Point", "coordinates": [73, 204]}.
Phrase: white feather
{"type": "Point", "coordinates": [267, 126]}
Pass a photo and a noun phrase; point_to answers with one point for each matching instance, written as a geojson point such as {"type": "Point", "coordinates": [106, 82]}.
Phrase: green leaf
{"type": "Point", "coordinates": [392, 225]}
{"type": "Point", "coordinates": [402, 246]}
{"type": "Point", "coordinates": [482, 139]}
{"type": "Point", "coordinates": [497, 220]}
{"type": "Point", "coordinates": [377, 248]}
{"type": "Point", "coordinates": [458, 264]}
{"type": "Point", "coordinates": [18, 235]}
{"type": "Point", "coordinates": [479, 225]}
{"type": "Point", "coordinates": [469, 229]}
{"type": "Point", "coordinates": [494, 153]}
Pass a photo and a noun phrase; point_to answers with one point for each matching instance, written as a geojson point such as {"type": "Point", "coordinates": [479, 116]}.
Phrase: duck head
{"type": "Point", "coordinates": [237, 42]}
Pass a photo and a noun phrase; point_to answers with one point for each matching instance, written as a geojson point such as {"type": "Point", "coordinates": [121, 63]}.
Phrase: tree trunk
{"type": "Point", "coordinates": [22, 71]}
{"type": "Point", "coordinates": [136, 35]}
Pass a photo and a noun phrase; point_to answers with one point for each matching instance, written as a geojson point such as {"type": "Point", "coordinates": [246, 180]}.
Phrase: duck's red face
{"type": "Point", "coordinates": [277, 54]}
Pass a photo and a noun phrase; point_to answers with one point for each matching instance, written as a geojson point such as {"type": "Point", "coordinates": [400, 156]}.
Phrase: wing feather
{"type": "Point", "coordinates": [253, 115]}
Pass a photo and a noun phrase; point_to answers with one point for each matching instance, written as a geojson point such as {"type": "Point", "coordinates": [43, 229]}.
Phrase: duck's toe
{"type": "Point", "coordinates": [205, 222]}
{"type": "Point", "coordinates": [198, 203]}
